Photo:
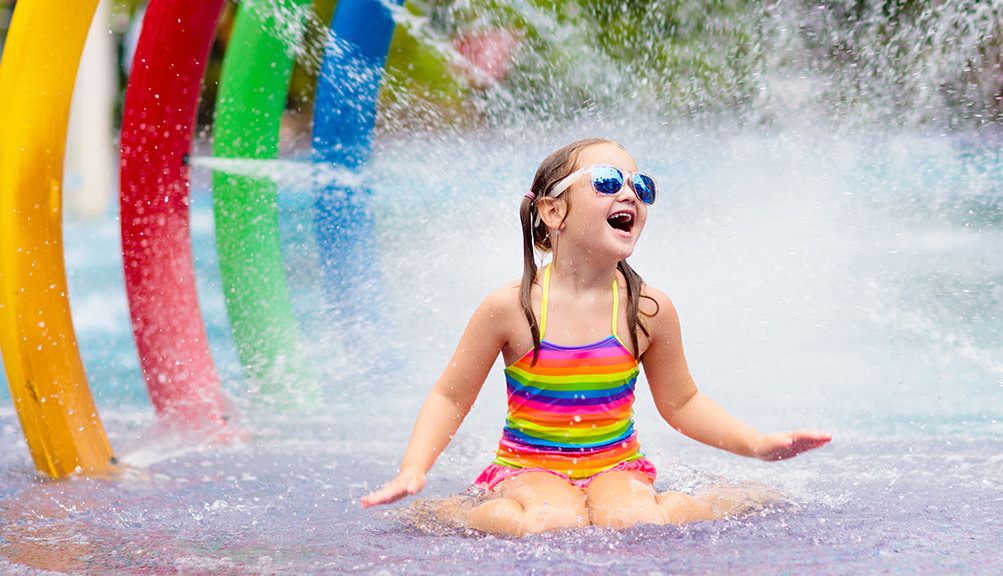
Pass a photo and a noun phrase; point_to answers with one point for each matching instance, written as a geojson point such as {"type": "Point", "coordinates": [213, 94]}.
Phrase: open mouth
{"type": "Point", "coordinates": [623, 221]}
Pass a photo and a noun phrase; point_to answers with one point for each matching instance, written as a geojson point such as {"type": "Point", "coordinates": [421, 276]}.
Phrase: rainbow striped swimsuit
{"type": "Point", "coordinates": [572, 412]}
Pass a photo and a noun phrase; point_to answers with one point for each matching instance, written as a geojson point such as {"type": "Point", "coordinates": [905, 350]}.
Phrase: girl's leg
{"type": "Point", "coordinates": [530, 503]}
{"type": "Point", "coordinates": [620, 499]}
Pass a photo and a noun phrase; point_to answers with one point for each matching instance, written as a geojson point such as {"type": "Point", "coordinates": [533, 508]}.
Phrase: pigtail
{"type": "Point", "coordinates": [527, 213]}
{"type": "Point", "coordinates": [634, 284]}
{"type": "Point", "coordinates": [554, 168]}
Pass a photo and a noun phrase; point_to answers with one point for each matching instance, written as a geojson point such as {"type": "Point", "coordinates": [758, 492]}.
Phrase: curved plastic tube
{"type": "Point", "coordinates": [157, 129]}
{"type": "Point", "coordinates": [344, 116]}
{"type": "Point", "coordinates": [249, 106]}
{"type": "Point", "coordinates": [44, 369]}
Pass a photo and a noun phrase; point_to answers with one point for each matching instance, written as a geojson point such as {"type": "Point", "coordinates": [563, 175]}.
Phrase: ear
{"type": "Point", "coordinates": [552, 212]}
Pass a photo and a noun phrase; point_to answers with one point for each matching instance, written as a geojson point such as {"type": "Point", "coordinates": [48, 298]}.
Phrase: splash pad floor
{"type": "Point", "coordinates": [288, 505]}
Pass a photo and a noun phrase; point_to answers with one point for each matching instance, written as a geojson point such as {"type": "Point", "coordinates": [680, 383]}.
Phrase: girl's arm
{"type": "Point", "coordinates": [696, 415]}
{"type": "Point", "coordinates": [449, 401]}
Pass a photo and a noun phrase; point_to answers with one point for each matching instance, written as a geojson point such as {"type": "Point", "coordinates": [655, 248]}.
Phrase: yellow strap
{"type": "Point", "coordinates": [616, 307]}
{"type": "Point", "coordinates": [543, 300]}
{"type": "Point", "coordinates": [546, 293]}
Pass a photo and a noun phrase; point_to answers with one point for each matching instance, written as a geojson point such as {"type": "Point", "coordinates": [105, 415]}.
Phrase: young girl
{"type": "Point", "coordinates": [571, 336]}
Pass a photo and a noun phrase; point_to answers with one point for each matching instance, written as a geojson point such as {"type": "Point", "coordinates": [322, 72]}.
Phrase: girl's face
{"type": "Point", "coordinates": [604, 222]}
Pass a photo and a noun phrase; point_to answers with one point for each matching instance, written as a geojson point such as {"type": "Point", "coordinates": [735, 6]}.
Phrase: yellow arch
{"type": "Point", "coordinates": [39, 347]}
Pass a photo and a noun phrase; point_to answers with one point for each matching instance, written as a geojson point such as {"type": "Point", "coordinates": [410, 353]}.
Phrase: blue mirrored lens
{"type": "Point", "coordinates": [644, 187]}
{"type": "Point", "coordinates": [606, 179]}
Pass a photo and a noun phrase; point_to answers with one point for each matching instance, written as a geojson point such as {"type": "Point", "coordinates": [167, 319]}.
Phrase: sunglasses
{"type": "Point", "coordinates": [610, 180]}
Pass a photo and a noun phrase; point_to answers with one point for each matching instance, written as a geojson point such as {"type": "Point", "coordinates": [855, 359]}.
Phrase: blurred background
{"type": "Point", "coordinates": [470, 63]}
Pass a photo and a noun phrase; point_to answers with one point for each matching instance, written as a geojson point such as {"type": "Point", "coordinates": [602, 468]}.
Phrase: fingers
{"type": "Point", "coordinates": [799, 445]}
{"type": "Point", "coordinates": [784, 446]}
{"type": "Point", "coordinates": [403, 485]}
{"type": "Point", "coordinates": [385, 495]}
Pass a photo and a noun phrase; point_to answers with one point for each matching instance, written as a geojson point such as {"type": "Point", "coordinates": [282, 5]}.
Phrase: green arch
{"type": "Point", "coordinates": [250, 102]}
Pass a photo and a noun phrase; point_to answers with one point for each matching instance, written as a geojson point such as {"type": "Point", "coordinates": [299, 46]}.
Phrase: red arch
{"type": "Point", "coordinates": [157, 130]}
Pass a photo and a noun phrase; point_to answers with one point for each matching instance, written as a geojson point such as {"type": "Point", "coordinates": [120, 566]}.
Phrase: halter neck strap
{"type": "Point", "coordinates": [546, 297]}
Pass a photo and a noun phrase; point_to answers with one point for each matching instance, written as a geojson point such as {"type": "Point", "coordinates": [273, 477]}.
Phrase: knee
{"type": "Point", "coordinates": [505, 516]}
{"type": "Point", "coordinates": [665, 509]}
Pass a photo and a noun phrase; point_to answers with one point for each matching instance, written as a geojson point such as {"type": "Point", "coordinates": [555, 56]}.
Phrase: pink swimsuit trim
{"type": "Point", "coordinates": [495, 474]}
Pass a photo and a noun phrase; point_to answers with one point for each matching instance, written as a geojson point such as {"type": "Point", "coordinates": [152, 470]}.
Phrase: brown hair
{"type": "Point", "coordinates": [554, 168]}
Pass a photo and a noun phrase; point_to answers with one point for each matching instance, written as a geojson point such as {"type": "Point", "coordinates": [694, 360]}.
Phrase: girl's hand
{"type": "Point", "coordinates": [784, 445]}
{"type": "Point", "coordinates": [409, 482]}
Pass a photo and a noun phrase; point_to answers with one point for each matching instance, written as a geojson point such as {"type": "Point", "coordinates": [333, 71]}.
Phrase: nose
{"type": "Point", "coordinates": [627, 192]}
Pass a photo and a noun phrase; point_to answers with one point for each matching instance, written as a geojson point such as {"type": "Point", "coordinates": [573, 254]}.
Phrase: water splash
{"type": "Point", "coordinates": [850, 64]}
{"type": "Point", "coordinates": [901, 63]}
{"type": "Point", "coordinates": [291, 174]}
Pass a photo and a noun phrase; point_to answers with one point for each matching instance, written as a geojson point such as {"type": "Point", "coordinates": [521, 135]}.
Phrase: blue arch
{"type": "Point", "coordinates": [344, 116]}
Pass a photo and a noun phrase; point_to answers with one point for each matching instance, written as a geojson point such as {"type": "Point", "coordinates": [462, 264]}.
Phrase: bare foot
{"type": "Point", "coordinates": [730, 500]}
{"type": "Point", "coordinates": [437, 516]}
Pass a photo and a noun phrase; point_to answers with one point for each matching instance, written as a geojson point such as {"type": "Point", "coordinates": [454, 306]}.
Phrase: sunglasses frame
{"type": "Point", "coordinates": [626, 177]}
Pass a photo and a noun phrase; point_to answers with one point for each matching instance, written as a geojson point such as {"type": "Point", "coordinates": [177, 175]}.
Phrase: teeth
{"type": "Point", "coordinates": [621, 220]}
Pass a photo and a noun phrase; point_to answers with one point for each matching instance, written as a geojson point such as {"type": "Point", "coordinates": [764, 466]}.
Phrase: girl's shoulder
{"type": "Point", "coordinates": [655, 306]}
{"type": "Point", "coordinates": [503, 318]}
{"type": "Point", "coordinates": [503, 301]}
